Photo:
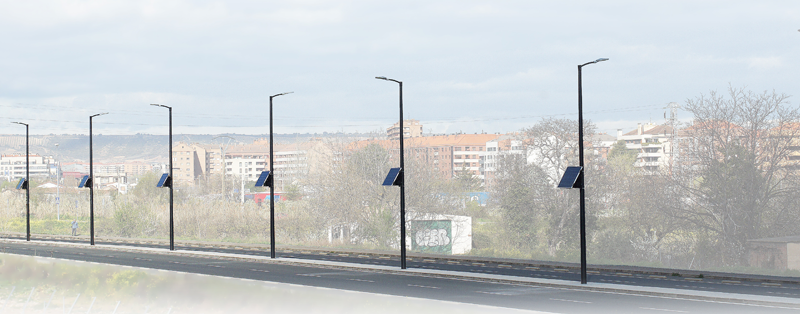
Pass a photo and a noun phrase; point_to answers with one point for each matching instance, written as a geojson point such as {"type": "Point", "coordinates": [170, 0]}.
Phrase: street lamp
{"type": "Point", "coordinates": [583, 184]}
{"type": "Point", "coordinates": [91, 180]}
{"type": "Point", "coordinates": [28, 184]}
{"type": "Point", "coordinates": [401, 181]}
{"type": "Point", "coordinates": [171, 183]}
{"type": "Point", "coordinates": [272, 186]}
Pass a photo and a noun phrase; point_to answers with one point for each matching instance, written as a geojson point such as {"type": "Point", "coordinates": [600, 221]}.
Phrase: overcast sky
{"type": "Point", "coordinates": [471, 66]}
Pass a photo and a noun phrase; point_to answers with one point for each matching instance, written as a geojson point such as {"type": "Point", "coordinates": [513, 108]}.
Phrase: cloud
{"type": "Point", "coordinates": [457, 58]}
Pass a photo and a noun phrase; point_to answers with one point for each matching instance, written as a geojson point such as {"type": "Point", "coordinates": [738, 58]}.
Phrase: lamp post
{"type": "Point", "coordinates": [272, 186]}
{"type": "Point", "coordinates": [402, 183]}
{"type": "Point", "coordinates": [91, 178]}
{"type": "Point", "coordinates": [172, 183]}
{"type": "Point", "coordinates": [583, 185]}
{"type": "Point", "coordinates": [28, 180]}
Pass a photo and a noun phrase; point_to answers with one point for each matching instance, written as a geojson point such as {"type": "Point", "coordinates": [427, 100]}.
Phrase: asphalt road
{"type": "Point", "coordinates": [528, 297]}
{"type": "Point", "coordinates": [729, 285]}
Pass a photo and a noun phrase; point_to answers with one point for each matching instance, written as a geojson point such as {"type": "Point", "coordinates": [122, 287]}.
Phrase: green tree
{"type": "Point", "coordinates": [620, 157]}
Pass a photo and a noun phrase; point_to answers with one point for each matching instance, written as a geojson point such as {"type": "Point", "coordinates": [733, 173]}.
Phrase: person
{"type": "Point", "coordinates": [74, 227]}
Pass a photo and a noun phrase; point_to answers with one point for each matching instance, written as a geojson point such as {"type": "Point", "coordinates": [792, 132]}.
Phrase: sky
{"type": "Point", "coordinates": [466, 66]}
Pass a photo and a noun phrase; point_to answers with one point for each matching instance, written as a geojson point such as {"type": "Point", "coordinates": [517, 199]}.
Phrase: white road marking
{"type": "Point", "coordinates": [419, 286]}
{"type": "Point", "coordinates": [487, 292]}
{"type": "Point", "coordinates": [664, 310]}
{"type": "Point", "coordinates": [574, 301]}
{"type": "Point", "coordinates": [309, 275]}
{"type": "Point", "coordinates": [361, 280]}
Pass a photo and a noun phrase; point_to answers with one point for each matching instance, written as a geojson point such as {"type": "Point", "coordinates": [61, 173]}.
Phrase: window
{"type": "Point", "coordinates": [466, 148]}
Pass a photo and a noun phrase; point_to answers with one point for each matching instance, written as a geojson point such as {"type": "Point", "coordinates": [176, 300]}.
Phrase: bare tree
{"type": "Point", "coordinates": [734, 172]}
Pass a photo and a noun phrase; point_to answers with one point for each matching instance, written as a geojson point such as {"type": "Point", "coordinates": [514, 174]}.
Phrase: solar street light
{"type": "Point", "coordinates": [90, 181]}
{"type": "Point", "coordinates": [167, 182]}
{"type": "Point", "coordinates": [271, 181]}
{"type": "Point", "coordinates": [581, 176]}
{"type": "Point", "coordinates": [400, 183]}
{"type": "Point", "coordinates": [27, 179]}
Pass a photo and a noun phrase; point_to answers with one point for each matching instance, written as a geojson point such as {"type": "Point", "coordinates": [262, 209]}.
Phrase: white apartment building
{"type": "Point", "coordinates": [505, 144]}
{"type": "Point", "coordinates": [654, 144]}
{"type": "Point", "coordinates": [246, 161]}
{"type": "Point", "coordinates": [12, 167]}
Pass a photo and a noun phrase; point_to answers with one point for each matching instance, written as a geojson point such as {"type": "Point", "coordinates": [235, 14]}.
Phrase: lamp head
{"type": "Point", "coordinates": [99, 114]}
{"type": "Point", "coordinates": [281, 94]}
{"type": "Point", "coordinates": [382, 78]}
{"type": "Point", "coordinates": [601, 60]}
{"type": "Point", "coordinates": [157, 105]}
{"type": "Point", "coordinates": [25, 124]}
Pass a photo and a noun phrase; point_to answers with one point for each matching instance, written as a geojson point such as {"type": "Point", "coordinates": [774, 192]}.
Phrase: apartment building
{"type": "Point", "coordinates": [13, 166]}
{"type": "Point", "coordinates": [411, 128]}
{"type": "Point", "coordinates": [503, 144]}
{"type": "Point", "coordinates": [654, 144]}
{"type": "Point", "coordinates": [295, 162]}
{"type": "Point", "coordinates": [191, 162]}
{"type": "Point", "coordinates": [246, 160]}
{"type": "Point", "coordinates": [447, 154]}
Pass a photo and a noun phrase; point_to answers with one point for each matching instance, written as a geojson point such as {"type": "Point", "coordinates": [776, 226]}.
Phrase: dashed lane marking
{"type": "Point", "coordinates": [309, 275]}
{"type": "Point", "coordinates": [663, 310]}
{"type": "Point", "coordinates": [574, 301]}
{"type": "Point", "coordinates": [360, 280]}
{"type": "Point", "coordinates": [420, 286]}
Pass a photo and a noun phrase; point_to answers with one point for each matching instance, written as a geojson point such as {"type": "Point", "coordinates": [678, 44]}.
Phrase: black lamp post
{"type": "Point", "coordinates": [272, 186]}
{"type": "Point", "coordinates": [172, 182]}
{"type": "Point", "coordinates": [402, 182]}
{"type": "Point", "coordinates": [91, 180]}
{"type": "Point", "coordinates": [583, 185]}
{"type": "Point", "coordinates": [28, 183]}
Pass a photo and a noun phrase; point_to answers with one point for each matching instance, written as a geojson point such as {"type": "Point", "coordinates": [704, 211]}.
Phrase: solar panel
{"type": "Point", "coordinates": [165, 181]}
{"type": "Point", "coordinates": [22, 184]}
{"type": "Point", "coordinates": [570, 178]}
{"type": "Point", "coordinates": [85, 182]}
{"type": "Point", "coordinates": [264, 179]}
{"type": "Point", "coordinates": [392, 177]}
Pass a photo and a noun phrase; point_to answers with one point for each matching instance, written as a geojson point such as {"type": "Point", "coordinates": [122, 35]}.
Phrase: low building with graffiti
{"type": "Point", "coordinates": [440, 234]}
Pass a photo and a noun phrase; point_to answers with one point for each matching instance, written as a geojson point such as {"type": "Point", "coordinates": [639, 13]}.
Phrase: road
{"type": "Point", "coordinates": [479, 292]}
{"type": "Point", "coordinates": [775, 288]}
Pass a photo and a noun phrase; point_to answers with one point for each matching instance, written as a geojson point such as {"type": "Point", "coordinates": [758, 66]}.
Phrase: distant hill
{"type": "Point", "coordinates": [144, 147]}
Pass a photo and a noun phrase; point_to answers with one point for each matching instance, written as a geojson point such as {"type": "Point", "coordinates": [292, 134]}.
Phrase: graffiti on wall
{"type": "Point", "coordinates": [434, 236]}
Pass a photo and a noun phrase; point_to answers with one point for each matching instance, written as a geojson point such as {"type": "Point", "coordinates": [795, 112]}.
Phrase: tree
{"type": "Point", "coordinates": [620, 157]}
{"type": "Point", "coordinates": [537, 216]}
{"type": "Point", "coordinates": [734, 171]}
